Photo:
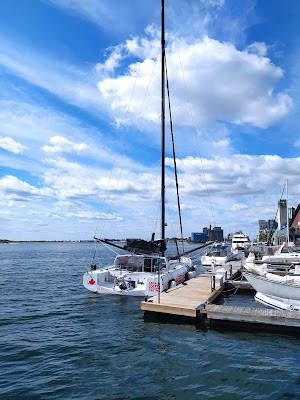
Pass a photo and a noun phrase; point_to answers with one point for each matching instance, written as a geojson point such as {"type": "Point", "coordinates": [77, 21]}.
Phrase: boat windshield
{"type": "Point", "coordinates": [218, 252]}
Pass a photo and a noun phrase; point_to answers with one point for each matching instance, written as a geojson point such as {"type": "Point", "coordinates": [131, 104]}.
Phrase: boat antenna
{"type": "Point", "coordinates": [163, 222]}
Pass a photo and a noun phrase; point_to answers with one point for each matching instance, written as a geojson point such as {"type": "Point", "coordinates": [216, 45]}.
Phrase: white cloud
{"type": "Point", "coordinates": [61, 144]}
{"type": "Point", "coordinates": [11, 145]}
{"type": "Point", "coordinates": [14, 189]}
{"type": "Point", "coordinates": [212, 3]}
{"type": "Point", "coordinates": [72, 84]}
{"type": "Point", "coordinates": [239, 207]}
{"type": "Point", "coordinates": [258, 48]}
{"type": "Point", "coordinates": [220, 81]}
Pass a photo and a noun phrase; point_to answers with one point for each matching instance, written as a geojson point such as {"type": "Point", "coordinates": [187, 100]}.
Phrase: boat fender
{"type": "Point", "coordinates": [172, 284]}
{"type": "Point", "coordinates": [191, 274]}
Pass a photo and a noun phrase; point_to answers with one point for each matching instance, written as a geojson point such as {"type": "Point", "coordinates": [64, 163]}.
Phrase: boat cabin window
{"type": "Point", "coordinates": [152, 264]}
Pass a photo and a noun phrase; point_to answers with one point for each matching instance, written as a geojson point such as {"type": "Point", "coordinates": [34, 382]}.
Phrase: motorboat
{"type": "Point", "coordinates": [262, 269]}
{"type": "Point", "coordinates": [283, 254]}
{"type": "Point", "coordinates": [217, 255]}
{"type": "Point", "coordinates": [240, 241]}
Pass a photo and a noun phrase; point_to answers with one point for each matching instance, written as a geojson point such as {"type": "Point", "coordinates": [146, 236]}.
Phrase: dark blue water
{"type": "Point", "coordinates": [59, 341]}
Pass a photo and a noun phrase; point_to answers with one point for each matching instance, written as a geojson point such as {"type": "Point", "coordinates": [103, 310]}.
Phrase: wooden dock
{"type": "Point", "coordinates": [185, 299]}
{"type": "Point", "coordinates": [251, 315]}
{"type": "Point", "coordinates": [194, 301]}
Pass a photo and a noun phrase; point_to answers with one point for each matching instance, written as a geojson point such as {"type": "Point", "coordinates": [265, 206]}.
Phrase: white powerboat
{"type": "Point", "coordinates": [283, 254]}
{"type": "Point", "coordinates": [239, 241]}
{"type": "Point", "coordinates": [260, 269]}
{"type": "Point", "coordinates": [217, 255]}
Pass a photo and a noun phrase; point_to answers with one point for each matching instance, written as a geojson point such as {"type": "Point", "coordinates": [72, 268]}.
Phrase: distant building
{"type": "Point", "coordinates": [262, 226]}
{"type": "Point", "coordinates": [215, 234]}
{"type": "Point", "coordinates": [199, 237]}
{"type": "Point", "coordinates": [281, 213]}
{"type": "Point", "coordinates": [294, 224]}
{"type": "Point", "coordinates": [272, 225]}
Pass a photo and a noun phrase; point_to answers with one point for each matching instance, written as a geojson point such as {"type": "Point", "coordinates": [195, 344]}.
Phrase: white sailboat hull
{"type": "Point", "coordinates": [274, 285]}
{"type": "Point", "coordinates": [277, 302]}
{"type": "Point", "coordinates": [124, 283]}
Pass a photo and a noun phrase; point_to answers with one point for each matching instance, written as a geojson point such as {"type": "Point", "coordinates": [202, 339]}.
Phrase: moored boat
{"type": "Point", "coordinates": [240, 241]}
{"type": "Point", "coordinates": [283, 288]}
{"type": "Point", "coordinates": [145, 270]}
{"type": "Point", "coordinates": [217, 255]}
{"type": "Point", "coordinates": [139, 275]}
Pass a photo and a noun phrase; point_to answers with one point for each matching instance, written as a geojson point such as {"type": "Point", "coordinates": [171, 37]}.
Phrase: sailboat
{"type": "Point", "coordinates": [272, 289]}
{"type": "Point", "coordinates": [144, 270]}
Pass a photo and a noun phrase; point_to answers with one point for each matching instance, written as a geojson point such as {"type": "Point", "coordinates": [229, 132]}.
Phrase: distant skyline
{"type": "Point", "coordinates": [80, 116]}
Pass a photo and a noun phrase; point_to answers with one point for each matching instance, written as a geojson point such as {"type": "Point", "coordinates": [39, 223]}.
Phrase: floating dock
{"type": "Point", "coordinates": [194, 302]}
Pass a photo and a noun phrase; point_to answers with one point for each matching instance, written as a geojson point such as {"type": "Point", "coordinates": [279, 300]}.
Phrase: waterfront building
{"type": "Point", "coordinates": [199, 237]}
{"type": "Point", "coordinates": [215, 234]}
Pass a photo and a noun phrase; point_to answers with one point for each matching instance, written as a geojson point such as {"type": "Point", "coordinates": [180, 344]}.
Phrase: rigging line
{"type": "Point", "coordinates": [174, 155]}
{"type": "Point", "coordinates": [172, 224]}
{"type": "Point", "coordinates": [156, 210]}
{"type": "Point", "coordinates": [196, 136]}
{"type": "Point", "coordinates": [147, 90]}
{"type": "Point", "coordinates": [126, 116]}
{"type": "Point", "coordinates": [114, 163]}
{"type": "Point", "coordinates": [194, 126]}
{"type": "Point", "coordinates": [110, 248]}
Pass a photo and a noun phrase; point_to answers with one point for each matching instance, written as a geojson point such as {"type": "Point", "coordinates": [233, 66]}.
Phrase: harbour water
{"type": "Point", "coordinates": [59, 341]}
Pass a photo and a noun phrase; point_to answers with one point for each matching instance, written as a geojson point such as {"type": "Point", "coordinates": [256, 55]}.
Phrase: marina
{"type": "Point", "coordinates": [196, 302]}
{"type": "Point", "coordinates": [145, 251]}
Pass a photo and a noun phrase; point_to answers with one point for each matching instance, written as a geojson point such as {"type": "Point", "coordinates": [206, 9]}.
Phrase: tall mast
{"type": "Point", "coordinates": [163, 223]}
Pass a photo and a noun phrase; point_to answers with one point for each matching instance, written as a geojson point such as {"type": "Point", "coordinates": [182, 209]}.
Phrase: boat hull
{"type": "Point", "coordinates": [124, 283]}
{"type": "Point", "coordinates": [280, 287]}
{"type": "Point", "coordinates": [277, 302]}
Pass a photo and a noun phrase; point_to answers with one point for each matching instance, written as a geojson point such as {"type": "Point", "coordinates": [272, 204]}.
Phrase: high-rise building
{"type": "Point", "coordinates": [262, 226]}
{"type": "Point", "coordinates": [281, 213]}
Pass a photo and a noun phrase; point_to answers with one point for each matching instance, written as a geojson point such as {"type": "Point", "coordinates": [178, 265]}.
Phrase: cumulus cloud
{"type": "Point", "coordinates": [14, 189]}
{"type": "Point", "coordinates": [60, 144]}
{"type": "Point", "coordinates": [9, 144]}
{"type": "Point", "coordinates": [240, 175]}
{"type": "Point", "coordinates": [221, 82]}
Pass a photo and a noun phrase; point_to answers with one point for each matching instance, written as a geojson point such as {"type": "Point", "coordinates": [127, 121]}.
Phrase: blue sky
{"type": "Point", "coordinates": [80, 115]}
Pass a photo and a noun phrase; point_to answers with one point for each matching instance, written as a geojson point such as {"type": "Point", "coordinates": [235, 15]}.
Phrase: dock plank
{"type": "Point", "coordinates": [195, 299]}
{"type": "Point", "coordinates": [184, 299]}
{"type": "Point", "coordinates": [252, 315]}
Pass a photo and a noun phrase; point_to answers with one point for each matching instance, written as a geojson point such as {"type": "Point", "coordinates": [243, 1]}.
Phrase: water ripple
{"type": "Point", "coordinates": [59, 341]}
